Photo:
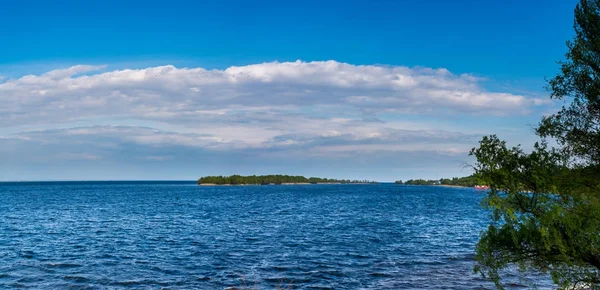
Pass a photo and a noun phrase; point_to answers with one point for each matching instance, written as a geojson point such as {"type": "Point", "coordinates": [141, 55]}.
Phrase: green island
{"type": "Point", "coordinates": [273, 179]}
{"type": "Point", "coordinates": [467, 181]}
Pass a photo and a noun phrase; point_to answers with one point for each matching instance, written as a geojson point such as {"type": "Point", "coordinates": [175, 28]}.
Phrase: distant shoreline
{"type": "Point", "coordinates": [450, 185]}
{"type": "Point", "coordinates": [285, 183]}
{"type": "Point", "coordinates": [274, 179]}
{"type": "Point", "coordinates": [463, 182]}
{"type": "Point", "coordinates": [440, 185]}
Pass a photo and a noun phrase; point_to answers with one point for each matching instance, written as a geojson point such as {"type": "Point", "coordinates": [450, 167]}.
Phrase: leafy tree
{"type": "Point", "coordinates": [545, 215]}
{"type": "Point", "coordinates": [421, 182]}
{"type": "Point", "coordinates": [468, 181]}
{"type": "Point", "coordinates": [545, 205]}
{"type": "Point", "coordinates": [577, 126]}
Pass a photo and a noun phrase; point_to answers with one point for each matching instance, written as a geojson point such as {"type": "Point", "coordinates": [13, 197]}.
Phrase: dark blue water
{"type": "Point", "coordinates": [182, 236]}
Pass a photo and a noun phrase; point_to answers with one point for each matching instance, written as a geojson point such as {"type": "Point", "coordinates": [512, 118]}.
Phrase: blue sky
{"type": "Point", "coordinates": [382, 90]}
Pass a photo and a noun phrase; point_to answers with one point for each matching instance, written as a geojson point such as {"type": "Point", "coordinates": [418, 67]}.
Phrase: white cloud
{"type": "Point", "coordinates": [76, 156]}
{"type": "Point", "coordinates": [268, 110]}
{"type": "Point", "coordinates": [159, 158]}
{"type": "Point", "coordinates": [68, 72]}
{"type": "Point", "coordinates": [347, 137]}
{"type": "Point", "coordinates": [168, 93]}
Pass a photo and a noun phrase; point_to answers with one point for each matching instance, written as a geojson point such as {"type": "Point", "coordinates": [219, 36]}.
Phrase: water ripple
{"type": "Point", "coordinates": [90, 235]}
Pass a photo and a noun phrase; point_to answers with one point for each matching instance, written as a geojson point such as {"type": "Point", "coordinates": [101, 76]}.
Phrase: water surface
{"type": "Point", "coordinates": [177, 235]}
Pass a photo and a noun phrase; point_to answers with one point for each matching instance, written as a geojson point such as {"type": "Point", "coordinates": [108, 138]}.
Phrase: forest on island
{"type": "Point", "coordinates": [467, 181]}
{"type": "Point", "coordinates": [272, 179]}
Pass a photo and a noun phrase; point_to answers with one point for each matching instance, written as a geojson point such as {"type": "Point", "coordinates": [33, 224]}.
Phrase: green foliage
{"type": "Point", "coordinates": [446, 181]}
{"type": "Point", "coordinates": [398, 182]}
{"type": "Point", "coordinates": [577, 126]}
{"type": "Point", "coordinates": [545, 205]}
{"type": "Point", "coordinates": [270, 179]}
{"type": "Point", "coordinates": [545, 215]}
{"type": "Point", "coordinates": [421, 182]}
{"type": "Point", "coordinates": [468, 181]}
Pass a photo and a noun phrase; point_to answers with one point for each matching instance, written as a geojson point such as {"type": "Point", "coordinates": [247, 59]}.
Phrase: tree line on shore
{"type": "Point", "coordinates": [468, 181]}
{"type": "Point", "coordinates": [271, 179]}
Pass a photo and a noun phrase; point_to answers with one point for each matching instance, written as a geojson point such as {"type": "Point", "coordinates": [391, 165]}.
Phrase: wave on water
{"type": "Point", "coordinates": [176, 236]}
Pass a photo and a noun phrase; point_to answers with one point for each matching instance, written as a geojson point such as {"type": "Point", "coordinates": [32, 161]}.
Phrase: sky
{"type": "Point", "coordinates": [175, 90]}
